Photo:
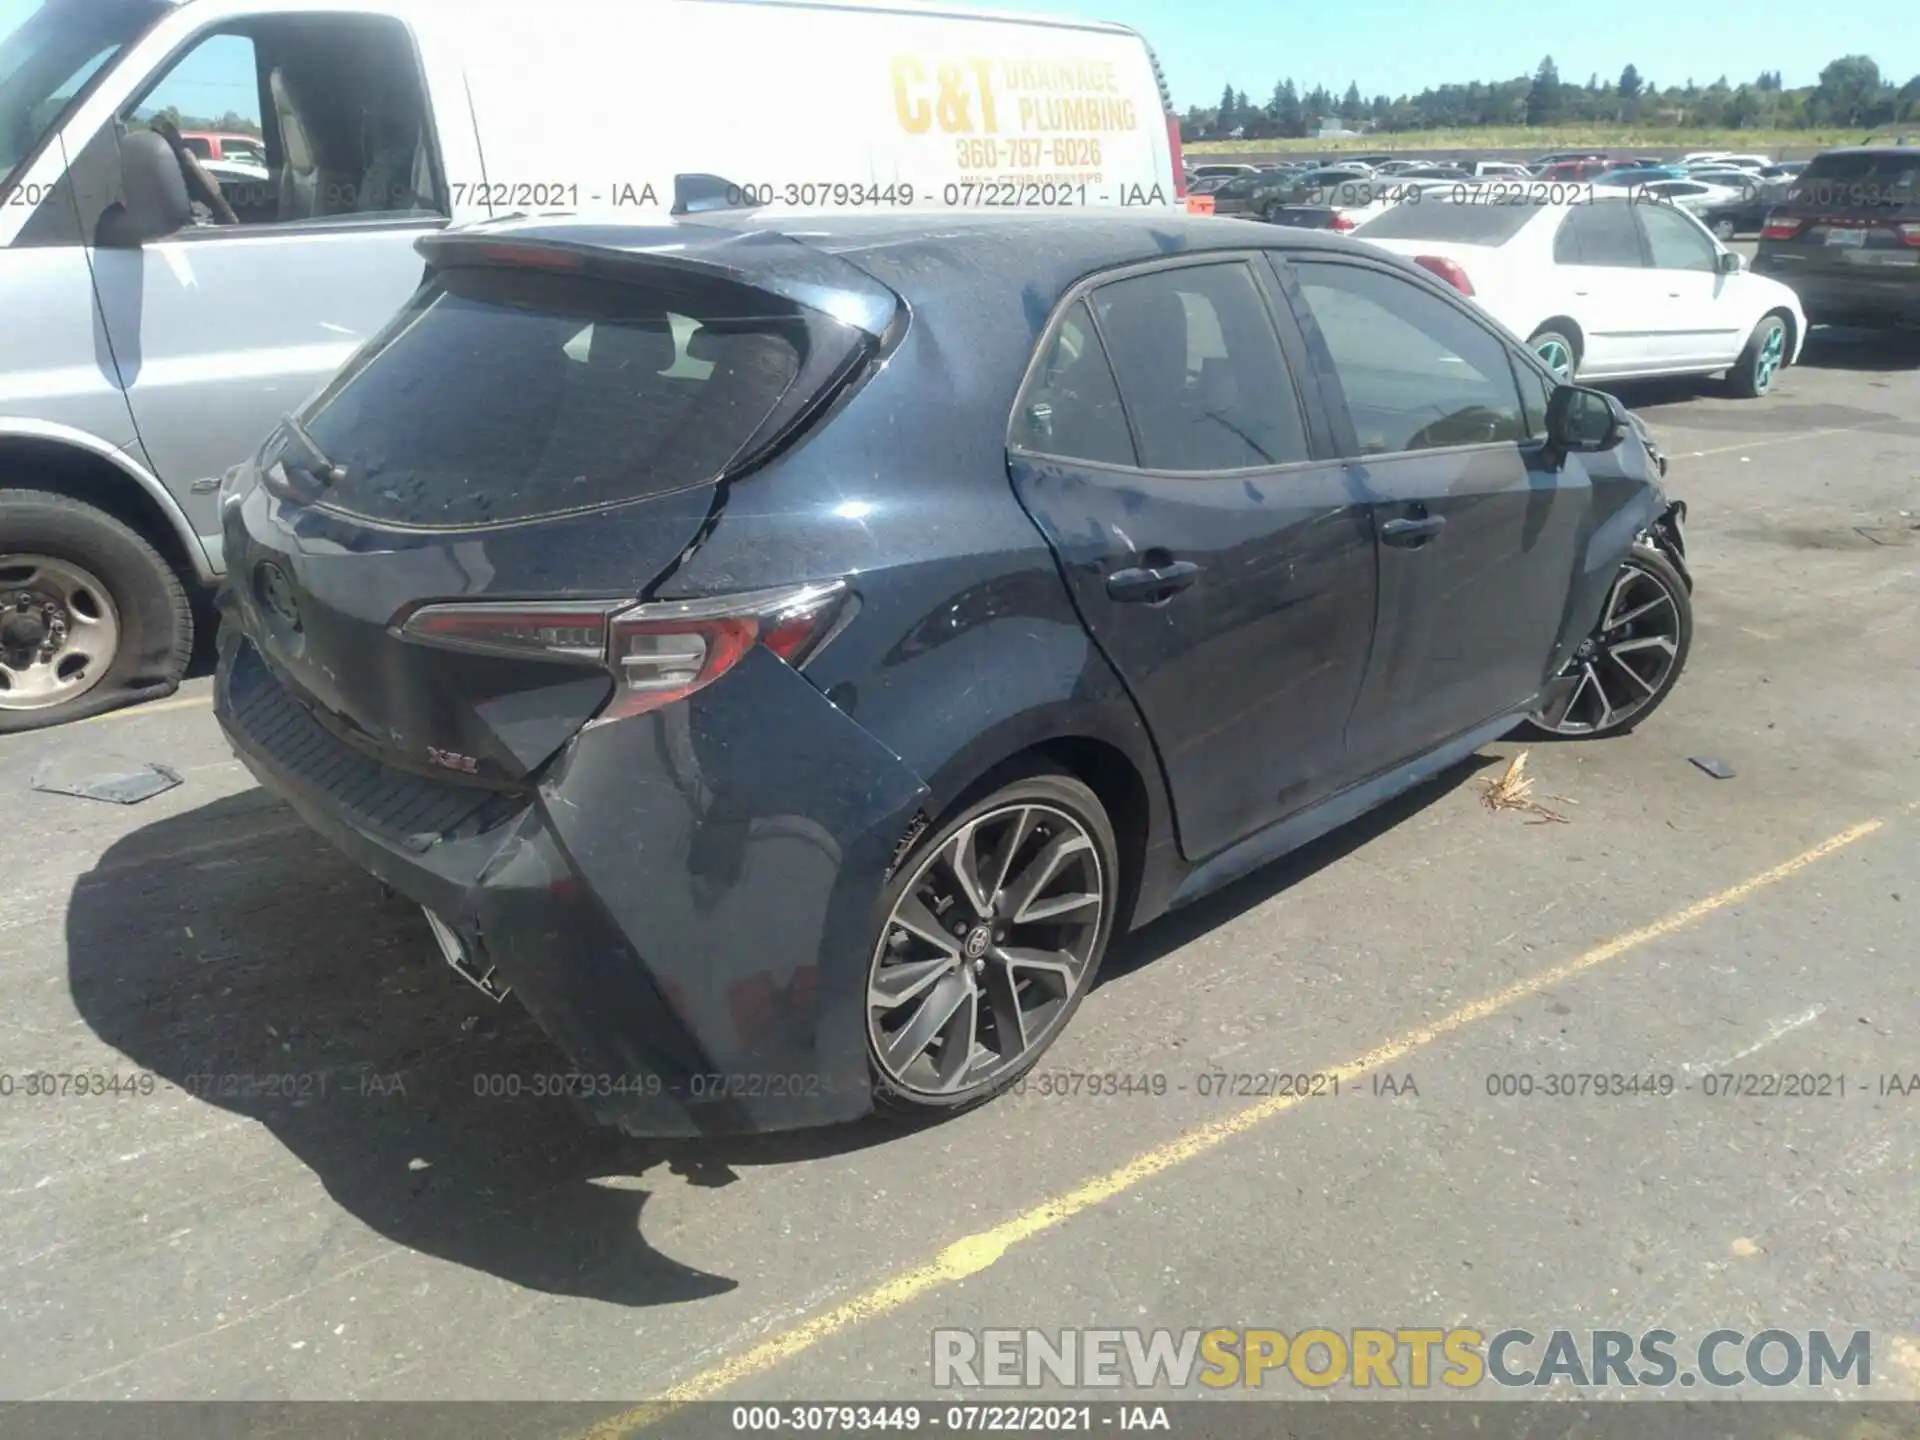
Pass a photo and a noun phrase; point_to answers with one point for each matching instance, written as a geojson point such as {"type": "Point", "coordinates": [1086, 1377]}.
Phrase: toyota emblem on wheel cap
{"type": "Point", "coordinates": [275, 590]}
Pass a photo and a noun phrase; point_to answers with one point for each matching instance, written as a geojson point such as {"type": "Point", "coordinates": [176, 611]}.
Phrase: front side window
{"type": "Point", "coordinates": [1675, 242]}
{"type": "Point", "coordinates": [339, 108]}
{"type": "Point", "coordinates": [1417, 373]}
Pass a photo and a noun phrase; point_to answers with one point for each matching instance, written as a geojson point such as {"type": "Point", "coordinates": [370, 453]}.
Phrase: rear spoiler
{"type": "Point", "coordinates": [763, 260]}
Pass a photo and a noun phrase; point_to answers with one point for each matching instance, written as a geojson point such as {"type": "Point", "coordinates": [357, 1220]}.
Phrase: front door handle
{"type": "Point", "coordinates": [1413, 532]}
{"type": "Point", "coordinates": [1152, 585]}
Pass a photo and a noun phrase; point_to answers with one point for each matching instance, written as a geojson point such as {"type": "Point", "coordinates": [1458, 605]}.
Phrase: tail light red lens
{"type": "Point", "coordinates": [658, 652]}
{"type": "Point", "coordinates": [1909, 234]}
{"type": "Point", "coordinates": [1179, 156]}
{"type": "Point", "coordinates": [1342, 222]}
{"type": "Point", "coordinates": [1447, 270]}
{"type": "Point", "coordinates": [1782, 229]}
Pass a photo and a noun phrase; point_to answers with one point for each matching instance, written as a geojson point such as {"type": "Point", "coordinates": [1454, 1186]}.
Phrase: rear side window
{"type": "Point", "coordinates": [501, 395]}
{"type": "Point", "coordinates": [1601, 232]}
{"type": "Point", "coordinates": [1072, 408]}
{"type": "Point", "coordinates": [1434, 218]}
{"type": "Point", "coordinates": [1201, 370]}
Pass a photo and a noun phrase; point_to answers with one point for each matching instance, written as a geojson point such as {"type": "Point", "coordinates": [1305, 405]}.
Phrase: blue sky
{"type": "Point", "coordinates": [1398, 47]}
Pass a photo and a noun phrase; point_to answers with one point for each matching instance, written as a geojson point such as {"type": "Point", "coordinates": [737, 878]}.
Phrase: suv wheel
{"type": "Point", "coordinates": [992, 931]}
{"type": "Point", "coordinates": [91, 617]}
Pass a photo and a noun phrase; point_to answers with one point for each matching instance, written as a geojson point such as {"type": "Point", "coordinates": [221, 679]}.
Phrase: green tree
{"type": "Point", "coordinates": [1350, 102]}
{"type": "Point", "coordinates": [1849, 90]}
{"type": "Point", "coordinates": [1224, 118]}
{"type": "Point", "coordinates": [1543, 101]}
{"type": "Point", "coordinates": [1630, 84]}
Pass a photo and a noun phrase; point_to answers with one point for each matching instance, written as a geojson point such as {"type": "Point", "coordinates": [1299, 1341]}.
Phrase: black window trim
{"type": "Point", "coordinates": [1083, 290]}
{"type": "Point", "coordinates": [235, 25]}
{"type": "Point", "coordinates": [1333, 394]}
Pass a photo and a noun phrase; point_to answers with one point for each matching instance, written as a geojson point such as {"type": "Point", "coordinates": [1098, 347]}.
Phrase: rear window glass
{"type": "Point", "coordinates": [501, 395]}
{"type": "Point", "coordinates": [1432, 218]}
{"type": "Point", "coordinates": [1860, 180]}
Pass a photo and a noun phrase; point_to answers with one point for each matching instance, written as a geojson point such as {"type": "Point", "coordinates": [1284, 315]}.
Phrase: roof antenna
{"type": "Point", "coordinates": [702, 194]}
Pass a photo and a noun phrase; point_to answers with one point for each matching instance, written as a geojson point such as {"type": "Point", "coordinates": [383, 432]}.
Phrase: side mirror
{"type": "Point", "coordinates": [1583, 421]}
{"type": "Point", "coordinates": [154, 203]}
{"type": "Point", "coordinates": [1732, 262]}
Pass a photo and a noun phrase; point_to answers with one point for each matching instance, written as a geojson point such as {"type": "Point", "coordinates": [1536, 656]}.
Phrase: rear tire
{"type": "Point", "coordinates": [92, 618]}
{"type": "Point", "coordinates": [1558, 350]}
{"type": "Point", "coordinates": [1762, 361]}
{"type": "Point", "coordinates": [973, 976]}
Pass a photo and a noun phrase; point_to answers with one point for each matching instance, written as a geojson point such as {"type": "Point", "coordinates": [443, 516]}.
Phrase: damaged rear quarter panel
{"type": "Point", "coordinates": [742, 857]}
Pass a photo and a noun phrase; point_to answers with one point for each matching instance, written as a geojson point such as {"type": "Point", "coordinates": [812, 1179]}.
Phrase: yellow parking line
{"type": "Point", "coordinates": [155, 707]}
{"type": "Point", "coordinates": [975, 1253]}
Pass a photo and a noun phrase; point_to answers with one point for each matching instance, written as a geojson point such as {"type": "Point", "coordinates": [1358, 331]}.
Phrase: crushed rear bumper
{"type": "Point", "coordinates": [684, 902]}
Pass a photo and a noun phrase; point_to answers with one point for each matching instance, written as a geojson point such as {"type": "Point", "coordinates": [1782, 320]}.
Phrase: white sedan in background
{"type": "Point", "coordinates": [1607, 288]}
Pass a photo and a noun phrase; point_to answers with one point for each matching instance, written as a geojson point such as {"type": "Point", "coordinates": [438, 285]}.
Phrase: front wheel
{"type": "Point", "coordinates": [1762, 361]}
{"type": "Point", "coordinates": [990, 935]}
{"type": "Point", "coordinates": [91, 617]}
{"type": "Point", "coordinates": [1627, 666]}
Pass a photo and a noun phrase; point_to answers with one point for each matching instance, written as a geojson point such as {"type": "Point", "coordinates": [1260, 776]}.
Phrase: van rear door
{"type": "Point", "coordinates": [904, 108]}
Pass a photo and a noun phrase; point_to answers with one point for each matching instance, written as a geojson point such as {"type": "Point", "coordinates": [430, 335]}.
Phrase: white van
{"type": "Point", "coordinates": [152, 339]}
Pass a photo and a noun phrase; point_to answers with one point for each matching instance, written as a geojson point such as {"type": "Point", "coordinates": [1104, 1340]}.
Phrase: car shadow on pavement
{"type": "Point", "coordinates": [235, 955]}
{"type": "Point", "coordinates": [1170, 932]}
{"type": "Point", "coordinates": [1834, 348]}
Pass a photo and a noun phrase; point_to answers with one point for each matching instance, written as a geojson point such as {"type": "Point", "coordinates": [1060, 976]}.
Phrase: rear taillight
{"type": "Point", "coordinates": [658, 651]}
{"type": "Point", "coordinates": [1782, 229]}
{"type": "Point", "coordinates": [1909, 234]}
{"type": "Point", "coordinates": [1179, 156]}
{"type": "Point", "coordinates": [1342, 222]}
{"type": "Point", "coordinates": [1447, 270]}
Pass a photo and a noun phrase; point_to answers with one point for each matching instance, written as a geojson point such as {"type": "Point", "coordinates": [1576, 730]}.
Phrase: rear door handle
{"type": "Point", "coordinates": [1153, 585]}
{"type": "Point", "coordinates": [1412, 532]}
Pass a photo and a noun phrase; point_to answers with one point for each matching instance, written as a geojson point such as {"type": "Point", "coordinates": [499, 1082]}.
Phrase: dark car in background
{"type": "Point", "coordinates": [1846, 238]}
{"type": "Point", "coordinates": [785, 656]}
{"type": "Point", "coordinates": [1746, 215]}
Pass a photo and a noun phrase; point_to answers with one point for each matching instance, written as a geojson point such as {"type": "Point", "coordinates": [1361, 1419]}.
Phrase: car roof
{"type": "Point", "coordinates": [1044, 249]}
{"type": "Point", "coordinates": [1899, 150]}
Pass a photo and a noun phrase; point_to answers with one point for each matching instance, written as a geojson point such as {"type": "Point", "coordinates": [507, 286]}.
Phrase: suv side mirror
{"type": "Point", "coordinates": [1732, 262]}
{"type": "Point", "coordinates": [1583, 421]}
{"type": "Point", "coordinates": [155, 202]}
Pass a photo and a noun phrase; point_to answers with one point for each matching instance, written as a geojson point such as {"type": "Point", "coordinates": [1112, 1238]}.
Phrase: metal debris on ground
{"type": "Point", "coordinates": [112, 778]}
{"type": "Point", "coordinates": [1513, 790]}
{"type": "Point", "coordinates": [1719, 769]}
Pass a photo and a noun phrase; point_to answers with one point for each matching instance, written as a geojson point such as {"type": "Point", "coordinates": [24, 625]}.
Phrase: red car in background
{"type": "Point", "coordinates": [226, 145]}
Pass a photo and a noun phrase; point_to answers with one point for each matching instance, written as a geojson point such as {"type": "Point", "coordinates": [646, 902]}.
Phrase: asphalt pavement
{"type": "Point", "coordinates": [371, 1226]}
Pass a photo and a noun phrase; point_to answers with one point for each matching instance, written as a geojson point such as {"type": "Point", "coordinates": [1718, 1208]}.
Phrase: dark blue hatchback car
{"type": "Point", "coordinates": [785, 653]}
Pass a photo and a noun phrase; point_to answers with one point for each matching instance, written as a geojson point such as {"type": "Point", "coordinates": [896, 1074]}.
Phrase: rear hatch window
{"type": "Point", "coordinates": [502, 394]}
{"type": "Point", "coordinates": [1448, 221]}
{"type": "Point", "coordinates": [1858, 182]}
